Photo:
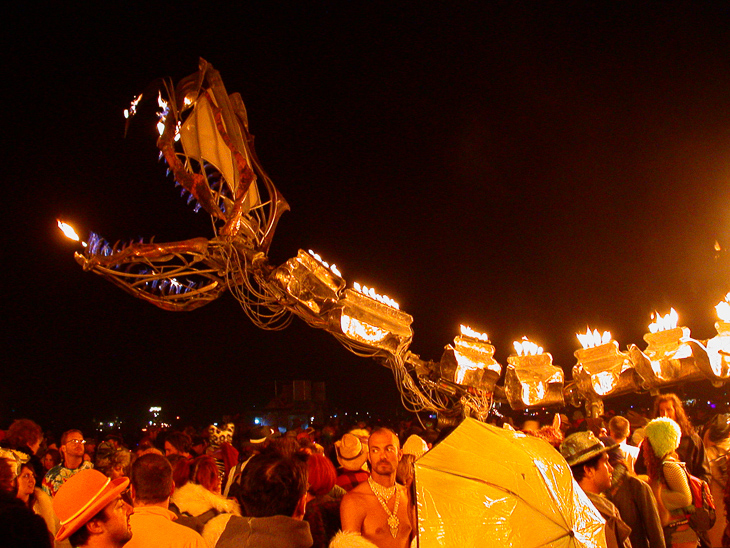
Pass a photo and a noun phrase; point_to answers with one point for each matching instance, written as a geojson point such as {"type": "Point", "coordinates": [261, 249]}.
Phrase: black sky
{"type": "Point", "coordinates": [527, 168]}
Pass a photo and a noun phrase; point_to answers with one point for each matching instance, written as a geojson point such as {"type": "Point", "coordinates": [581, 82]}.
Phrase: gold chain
{"type": "Point", "coordinates": [384, 494]}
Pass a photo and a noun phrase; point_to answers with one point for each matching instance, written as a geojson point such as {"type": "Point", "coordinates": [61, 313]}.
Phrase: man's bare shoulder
{"type": "Point", "coordinates": [357, 492]}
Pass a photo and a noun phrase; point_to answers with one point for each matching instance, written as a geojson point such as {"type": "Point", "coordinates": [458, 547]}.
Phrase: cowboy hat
{"type": "Point", "coordinates": [82, 497]}
{"type": "Point", "coordinates": [351, 453]}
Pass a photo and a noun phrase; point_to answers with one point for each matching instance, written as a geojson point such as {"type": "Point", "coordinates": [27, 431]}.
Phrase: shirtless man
{"type": "Point", "coordinates": [378, 509]}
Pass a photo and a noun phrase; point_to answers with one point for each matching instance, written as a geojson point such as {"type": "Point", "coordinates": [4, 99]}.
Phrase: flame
{"type": "Point", "coordinates": [589, 340]}
{"type": "Point", "coordinates": [164, 111]}
{"type": "Point", "coordinates": [527, 348]}
{"type": "Point", "coordinates": [370, 292]}
{"type": "Point", "coordinates": [469, 332]}
{"type": "Point", "coordinates": [333, 268]}
{"type": "Point", "coordinates": [723, 309]}
{"type": "Point", "coordinates": [664, 323]}
{"type": "Point", "coordinates": [132, 110]}
{"type": "Point", "coordinates": [68, 231]}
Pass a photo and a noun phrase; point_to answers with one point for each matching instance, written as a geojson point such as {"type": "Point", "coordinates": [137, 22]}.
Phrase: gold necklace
{"type": "Point", "coordinates": [384, 494]}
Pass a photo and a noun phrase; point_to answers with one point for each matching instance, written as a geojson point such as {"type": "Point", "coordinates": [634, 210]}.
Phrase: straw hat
{"type": "Point", "coordinates": [350, 451]}
{"type": "Point", "coordinates": [362, 434]}
{"type": "Point", "coordinates": [415, 445]}
{"type": "Point", "coordinates": [582, 447]}
{"type": "Point", "coordinates": [82, 497]}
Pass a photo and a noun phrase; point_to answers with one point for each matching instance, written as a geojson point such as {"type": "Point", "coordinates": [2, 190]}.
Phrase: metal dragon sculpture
{"type": "Point", "coordinates": [206, 143]}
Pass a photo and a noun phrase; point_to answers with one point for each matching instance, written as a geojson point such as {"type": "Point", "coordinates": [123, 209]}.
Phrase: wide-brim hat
{"type": "Point", "coordinates": [260, 434]}
{"type": "Point", "coordinates": [82, 497]}
{"type": "Point", "coordinates": [351, 453]}
{"type": "Point", "coordinates": [582, 447]}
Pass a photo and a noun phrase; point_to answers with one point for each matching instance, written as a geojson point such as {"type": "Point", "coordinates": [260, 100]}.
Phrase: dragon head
{"type": "Point", "coordinates": [205, 141]}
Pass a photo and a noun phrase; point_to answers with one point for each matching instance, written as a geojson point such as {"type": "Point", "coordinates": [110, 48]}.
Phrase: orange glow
{"type": "Point", "coordinates": [723, 309]}
{"type": "Point", "coordinates": [360, 330]}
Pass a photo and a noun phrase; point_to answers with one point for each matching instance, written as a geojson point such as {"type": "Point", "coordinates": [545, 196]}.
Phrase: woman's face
{"type": "Point", "coordinates": [26, 482]}
{"type": "Point", "coordinates": [48, 461]}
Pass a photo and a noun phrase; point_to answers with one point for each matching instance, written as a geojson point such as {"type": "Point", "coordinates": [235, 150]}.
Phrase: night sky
{"type": "Point", "coordinates": [526, 168]}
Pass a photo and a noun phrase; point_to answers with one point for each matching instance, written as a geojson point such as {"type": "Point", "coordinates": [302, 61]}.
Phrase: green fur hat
{"type": "Point", "coordinates": [664, 435]}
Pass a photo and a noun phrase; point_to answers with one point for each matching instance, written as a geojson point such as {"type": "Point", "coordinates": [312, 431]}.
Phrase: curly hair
{"type": "Point", "coordinates": [679, 414]}
{"type": "Point", "coordinates": [653, 463]}
{"type": "Point", "coordinates": [23, 433]}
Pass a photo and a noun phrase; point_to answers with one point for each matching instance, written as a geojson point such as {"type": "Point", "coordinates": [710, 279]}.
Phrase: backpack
{"type": "Point", "coordinates": [701, 514]}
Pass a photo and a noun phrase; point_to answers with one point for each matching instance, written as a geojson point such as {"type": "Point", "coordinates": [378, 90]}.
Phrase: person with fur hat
{"type": "Point", "coordinates": [588, 460]}
{"type": "Point", "coordinates": [92, 512]}
{"type": "Point", "coordinates": [352, 454]}
{"type": "Point", "coordinates": [668, 480]}
{"type": "Point", "coordinates": [691, 450]}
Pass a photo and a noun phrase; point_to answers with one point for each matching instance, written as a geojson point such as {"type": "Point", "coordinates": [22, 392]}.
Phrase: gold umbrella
{"type": "Point", "coordinates": [485, 486]}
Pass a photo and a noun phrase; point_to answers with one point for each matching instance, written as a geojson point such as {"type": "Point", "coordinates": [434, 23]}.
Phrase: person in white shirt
{"type": "Point", "coordinates": [618, 429]}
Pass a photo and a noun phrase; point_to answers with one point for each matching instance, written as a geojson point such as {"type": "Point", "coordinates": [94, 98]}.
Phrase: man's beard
{"type": "Point", "coordinates": [124, 537]}
{"type": "Point", "coordinates": [388, 467]}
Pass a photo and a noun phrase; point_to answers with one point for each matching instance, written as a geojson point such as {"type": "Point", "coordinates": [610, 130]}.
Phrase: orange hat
{"type": "Point", "coordinates": [82, 497]}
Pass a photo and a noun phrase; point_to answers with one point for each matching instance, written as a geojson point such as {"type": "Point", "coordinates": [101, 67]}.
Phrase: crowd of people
{"type": "Point", "coordinates": [256, 486]}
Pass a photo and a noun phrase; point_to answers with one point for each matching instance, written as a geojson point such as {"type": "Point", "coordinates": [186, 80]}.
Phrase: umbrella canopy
{"type": "Point", "coordinates": [485, 486]}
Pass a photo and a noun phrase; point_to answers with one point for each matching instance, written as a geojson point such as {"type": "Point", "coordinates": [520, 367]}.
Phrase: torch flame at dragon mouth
{"type": "Point", "coordinates": [205, 142]}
